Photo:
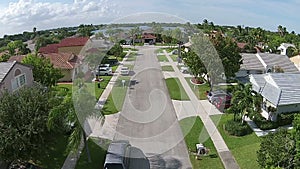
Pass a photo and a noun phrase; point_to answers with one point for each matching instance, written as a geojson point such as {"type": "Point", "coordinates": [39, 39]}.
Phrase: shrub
{"type": "Point", "coordinates": [237, 128]}
{"type": "Point", "coordinates": [263, 123]}
{"type": "Point", "coordinates": [285, 119]}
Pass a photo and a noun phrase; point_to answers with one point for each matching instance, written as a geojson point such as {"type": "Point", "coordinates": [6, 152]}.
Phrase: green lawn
{"type": "Point", "coordinates": [54, 154]}
{"type": "Point", "coordinates": [97, 157]}
{"type": "Point", "coordinates": [162, 58]}
{"type": "Point", "coordinates": [199, 90]}
{"type": "Point", "coordinates": [103, 84]}
{"type": "Point", "coordinates": [167, 68]}
{"type": "Point", "coordinates": [174, 58]}
{"type": "Point", "coordinates": [115, 100]}
{"type": "Point", "coordinates": [176, 90]}
{"type": "Point", "coordinates": [131, 57]}
{"type": "Point", "coordinates": [243, 148]}
{"type": "Point", "coordinates": [194, 132]}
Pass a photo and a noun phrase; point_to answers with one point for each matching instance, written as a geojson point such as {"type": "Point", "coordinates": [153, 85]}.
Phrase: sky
{"type": "Point", "coordinates": [17, 16]}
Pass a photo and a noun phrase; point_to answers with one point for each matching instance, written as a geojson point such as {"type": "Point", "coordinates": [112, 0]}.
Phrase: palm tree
{"type": "Point", "coordinates": [244, 101]}
{"type": "Point", "coordinates": [73, 112]}
{"type": "Point", "coordinates": [133, 33]}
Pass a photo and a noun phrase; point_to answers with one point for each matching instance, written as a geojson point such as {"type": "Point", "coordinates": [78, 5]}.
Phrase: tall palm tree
{"type": "Point", "coordinates": [243, 101]}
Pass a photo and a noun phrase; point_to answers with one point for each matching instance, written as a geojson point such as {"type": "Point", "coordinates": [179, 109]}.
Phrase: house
{"type": "Point", "coordinates": [283, 48]}
{"type": "Point", "coordinates": [279, 90]}
{"type": "Point", "coordinates": [67, 45]}
{"type": "Point", "coordinates": [68, 63]}
{"type": "Point", "coordinates": [296, 61]}
{"type": "Point", "coordinates": [260, 63]}
{"type": "Point", "coordinates": [14, 75]}
{"type": "Point", "coordinates": [148, 38]}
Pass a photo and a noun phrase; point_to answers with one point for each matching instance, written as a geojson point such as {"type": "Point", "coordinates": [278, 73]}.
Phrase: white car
{"type": "Point", "coordinates": [124, 71]}
{"type": "Point", "coordinates": [106, 71]}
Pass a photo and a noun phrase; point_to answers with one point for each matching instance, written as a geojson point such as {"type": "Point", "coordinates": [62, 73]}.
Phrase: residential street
{"type": "Point", "coordinates": [148, 119]}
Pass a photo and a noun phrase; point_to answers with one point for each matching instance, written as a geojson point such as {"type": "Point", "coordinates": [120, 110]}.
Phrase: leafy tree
{"type": "Point", "coordinates": [17, 47]}
{"type": "Point", "coordinates": [23, 119]}
{"type": "Point", "coordinates": [43, 70]}
{"type": "Point", "coordinates": [277, 150]}
{"type": "Point", "coordinates": [74, 110]}
{"type": "Point", "coordinates": [133, 33]}
{"type": "Point", "coordinates": [116, 50]}
{"type": "Point", "coordinates": [296, 133]}
{"type": "Point", "coordinates": [196, 66]}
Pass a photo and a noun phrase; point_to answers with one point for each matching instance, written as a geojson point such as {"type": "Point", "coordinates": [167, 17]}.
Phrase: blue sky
{"type": "Point", "coordinates": [17, 16]}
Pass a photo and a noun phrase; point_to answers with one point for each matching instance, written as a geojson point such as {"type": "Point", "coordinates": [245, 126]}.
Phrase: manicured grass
{"type": "Point", "coordinates": [194, 132]}
{"type": "Point", "coordinates": [131, 57]}
{"type": "Point", "coordinates": [167, 68]}
{"type": "Point", "coordinates": [174, 58]}
{"type": "Point", "coordinates": [97, 157]}
{"type": "Point", "coordinates": [199, 90]}
{"type": "Point", "coordinates": [103, 84]}
{"type": "Point", "coordinates": [162, 58]}
{"type": "Point", "coordinates": [132, 49]}
{"type": "Point", "coordinates": [161, 50]}
{"type": "Point", "coordinates": [176, 90]}
{"type": "Point", "coordinates": [54, 153]}
{"type": "Point", "coordinates": [115, 100]}
{"type": "Point", "coordinates": [243, 148]}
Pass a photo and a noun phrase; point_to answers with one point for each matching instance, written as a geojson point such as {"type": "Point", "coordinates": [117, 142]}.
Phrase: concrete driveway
{"type": "Point", "coordinates": [148, 119]}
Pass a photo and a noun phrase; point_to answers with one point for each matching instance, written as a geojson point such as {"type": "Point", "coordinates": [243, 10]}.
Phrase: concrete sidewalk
{"type": "Point", "coordinates": [226, 157]}
{"type": "Point", "coordinates": [105, 130]}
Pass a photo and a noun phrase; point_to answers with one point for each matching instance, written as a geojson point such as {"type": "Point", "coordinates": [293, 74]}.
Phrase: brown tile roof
{"type": "Point", "coordinates": [74, 41]}
{"type": "Point", "coordinates": [63, 60]}
{"type": "Point", "coordinates": [148, 36]}
{"type": "Point", "coordinates": [241, 45]}
{"type": "Point", "coordinates": [59, 60]}
{"type": "Point", "coordinates": [67, 42]}
{"type": "Point", "coordinates": [51, 48]}
{"type": "Point", "coordinates": [17, 58]}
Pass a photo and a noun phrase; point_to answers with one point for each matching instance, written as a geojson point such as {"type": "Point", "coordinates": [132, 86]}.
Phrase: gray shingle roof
{"type": "Point", "coordinates": [278, 88]}
{"type": "Point", "coordinates": [251, 62]}
{"type": "Point", "coordinates": [279, 60]}
{"type": "Point", "coordinates": [5, 68]}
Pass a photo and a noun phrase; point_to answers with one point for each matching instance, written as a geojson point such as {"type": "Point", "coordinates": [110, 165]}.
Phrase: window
{"type": "Point", "coordinates": [18, 81]}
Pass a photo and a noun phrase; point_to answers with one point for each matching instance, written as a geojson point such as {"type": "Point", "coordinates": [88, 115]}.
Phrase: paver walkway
{"type": "Point", "coordinates": [227, 158]}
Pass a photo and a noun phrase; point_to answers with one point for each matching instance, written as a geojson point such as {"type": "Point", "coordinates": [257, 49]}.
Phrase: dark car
{"type": "Point", "coordinates": [222, 103]}
{"type": "Point", "coordinates": [118, 155]}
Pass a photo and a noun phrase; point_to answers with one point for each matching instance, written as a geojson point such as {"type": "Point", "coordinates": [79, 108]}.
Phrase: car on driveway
{"type": "Point", "coordinates": [214, 94]}
{"type": "Point", "coordinates": [118, 155]}
{"type": "Point", "coordinates": [222, 103]}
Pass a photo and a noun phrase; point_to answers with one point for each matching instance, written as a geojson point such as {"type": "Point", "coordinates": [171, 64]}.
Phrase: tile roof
{"type": "Point", "coordinates": [67, 42]}
{"type": "Point", "coordinates": [73, 41]}
{"type": "Point", "coordinates": [279, 60]}
{"type": "Point", "coordinates": [5, 67]}
{"type": "Point", "coordinates": [148, 36]}
{"type": "Point", "coordinates": [17, 58]}
{"type": "Point", "coordinates": [253, 62]}
{"type": "Point", "coordinates": [278, 88]}
{"type": "Point", "coordinates": [63, 60]}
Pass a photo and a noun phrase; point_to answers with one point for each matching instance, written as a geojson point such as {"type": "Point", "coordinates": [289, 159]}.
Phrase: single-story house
{"type": "Point", "coordinates": [14, 75]}
{"type": "Point", "coordinates": [260, 63]}
{"type": "Point", "coordinates": [148, 38]}
{"type": "Point", "coordinates": [67, 45]}
{"type": "Point", "coordinates": [279, 90]}
{"type": "Point", "coordinates": [283, 48]}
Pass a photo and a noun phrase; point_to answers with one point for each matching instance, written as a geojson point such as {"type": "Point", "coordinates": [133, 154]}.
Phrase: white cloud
{"type": "Point", "coordinates": [26, 14]}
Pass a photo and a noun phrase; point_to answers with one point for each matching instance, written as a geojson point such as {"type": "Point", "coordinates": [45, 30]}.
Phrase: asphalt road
{"type": "Point", "coordinates": [148, 119]}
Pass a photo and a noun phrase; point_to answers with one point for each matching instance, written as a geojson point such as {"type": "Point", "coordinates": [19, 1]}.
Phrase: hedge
{"type": "Point", "coordinates": [237, 128]}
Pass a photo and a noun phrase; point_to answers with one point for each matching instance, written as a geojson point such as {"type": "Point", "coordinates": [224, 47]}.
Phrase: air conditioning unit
{"type": "Point", "coordinates": [269, 69]}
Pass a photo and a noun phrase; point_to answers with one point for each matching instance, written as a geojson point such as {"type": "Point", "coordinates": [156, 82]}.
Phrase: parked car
{"type": "Point", "coordinates": [222, 103]}
{"type": "Point", "coordinates": [184, 69]}
{"type": "Point", "coordinates": [104, 71]}
{"type": "Point", "coordinates": [118, 155]}
{"type": "Point", "coordinates": [225, 96]}
{"type": "Point", "coordinates": [212, 94]}
{"type": "Point", "coordinates": [124, 71]}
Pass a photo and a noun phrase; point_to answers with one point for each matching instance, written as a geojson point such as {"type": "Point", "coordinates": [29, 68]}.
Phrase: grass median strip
{"type": "Point", "coordinates": [194, 132]}
{"type": "Point", "coordinates": [162, 58]}
{"type": "Point", "coordinates": [115, 100]}
{"type": "Point", "coordinates": [243, 148]}
{"type": "Point", "coordinates": [167, 68]}
{"type": "Point", "coordinates": [176, 90]}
